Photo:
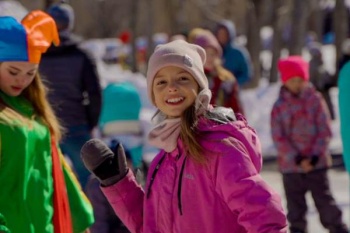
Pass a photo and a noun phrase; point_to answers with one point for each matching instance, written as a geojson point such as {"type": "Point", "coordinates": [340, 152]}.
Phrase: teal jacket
{"type": "Point", "coordinates": [344, 111]}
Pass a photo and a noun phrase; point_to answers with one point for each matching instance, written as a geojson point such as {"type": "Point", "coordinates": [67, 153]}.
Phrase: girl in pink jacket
{"type": "Point", "coordinates": [206, 177]}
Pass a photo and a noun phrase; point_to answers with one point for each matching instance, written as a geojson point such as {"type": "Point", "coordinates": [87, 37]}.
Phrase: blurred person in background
{"type": "Point", "coordinates": [345, 57]}
{"type": "Point", "coordinates": [222, 83]}
{"type": "Point", "coordinates": [235, 58]}
{"type": "Point", "coordinates": [39, 193]}
{"type": "Point", "coordinates": [75, 89]}
{"type": "Point", "coordinates": [301, 132]}
{"type": "Point", "coordinates": [319, 76]}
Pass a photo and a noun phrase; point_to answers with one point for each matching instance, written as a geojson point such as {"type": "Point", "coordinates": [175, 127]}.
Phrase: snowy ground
{"type": "Point", "coordinates": [339, 183]}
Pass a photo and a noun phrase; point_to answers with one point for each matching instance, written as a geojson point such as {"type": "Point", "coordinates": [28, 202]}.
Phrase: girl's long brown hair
{"type": "Point", "coordinates": [189, 134]}
{"type": "Point", "coordinates": [36, 94]}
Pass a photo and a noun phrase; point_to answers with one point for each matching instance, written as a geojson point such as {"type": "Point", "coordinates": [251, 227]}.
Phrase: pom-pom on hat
{"type": "Point", "coordinates": [293, 66]}
{"type": "Point", "coordinates": [26, 41]}
{"type": "Point", "coordinates": [179, 53]}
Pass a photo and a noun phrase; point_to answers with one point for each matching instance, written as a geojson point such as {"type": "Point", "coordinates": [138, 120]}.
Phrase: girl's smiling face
{"type": "Point", "coordinates": [174, 90]}
{"type": "Point", "coordinates": [16, 76]}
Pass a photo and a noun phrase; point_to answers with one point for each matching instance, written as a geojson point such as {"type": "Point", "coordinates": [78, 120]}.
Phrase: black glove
{"type": "Point", "coordinates": [314, 160]}
{"type": "Point", "coordinates": [298, 159]}
{"type": "Point", "coordinates": [107, 166]}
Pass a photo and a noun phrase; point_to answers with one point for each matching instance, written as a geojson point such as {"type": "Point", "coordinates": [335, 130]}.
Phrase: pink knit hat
{"type": "Point", "coordinates": [293, 66]}
{"type": "Point", "coordinates": [179, 53]}
{"type": "Point", "coordinates": [207, 39]}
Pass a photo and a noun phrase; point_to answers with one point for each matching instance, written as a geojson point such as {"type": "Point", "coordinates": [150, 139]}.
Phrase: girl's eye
{"type": "Point", "coordinates": [30, 74]}
{"type": "Point", "coordinates": [160, 82]}
{"type": "Point", "coordinates": [183, 78]}
{"type": "Point", "coordinates": [13, 73]}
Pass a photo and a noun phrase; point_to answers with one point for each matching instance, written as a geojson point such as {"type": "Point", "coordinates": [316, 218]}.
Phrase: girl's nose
{"type": "Point", "coordinates": [21, 80]}
{"type": "Point", "coordinates": [172, 87]}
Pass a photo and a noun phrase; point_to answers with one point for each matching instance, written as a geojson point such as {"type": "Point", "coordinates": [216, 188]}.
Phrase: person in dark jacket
{"type": "Point", "coordinates": [75, 91]}
{"type": "Point", "coordinates": [319, 76]}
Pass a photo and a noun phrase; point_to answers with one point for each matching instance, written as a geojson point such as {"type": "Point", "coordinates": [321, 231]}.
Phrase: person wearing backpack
{"type": "Point", "coordinates": [301, 131]}
{"type": "Point", "coordinates": [206, 177]}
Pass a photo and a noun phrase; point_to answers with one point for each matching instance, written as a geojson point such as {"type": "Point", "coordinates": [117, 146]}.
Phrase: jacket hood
{"type": "Point", "coordinates": [229, 26]}
{"type": "Point", "coordinates": [213, 130]}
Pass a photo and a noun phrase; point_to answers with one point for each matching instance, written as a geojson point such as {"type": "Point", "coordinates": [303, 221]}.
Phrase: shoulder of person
{"type": "Point", "coordinates": [231, 136]}
{"type": "Point", "coordinates": [239, 49]}
{"type": "Point", "coordinates": [221, 115]}
{"type": "Point", "coordinates": [220, 123]}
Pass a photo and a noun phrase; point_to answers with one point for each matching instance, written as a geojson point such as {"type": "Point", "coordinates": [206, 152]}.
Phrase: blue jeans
{"type": "Point", "coordinates": [71, 145]}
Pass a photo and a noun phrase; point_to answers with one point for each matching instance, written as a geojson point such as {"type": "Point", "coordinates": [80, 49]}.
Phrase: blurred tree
{"type": "Point", "coordinates": [133, 24]}
{"type": "Point", "coordinates": [279, 18]}
{"type": "Point", "coordinates": [254, 21]}
{"type": "Point", "coordinates": [316, 19]}
{"type": "Point", "coordinates": [150, 30]}
{"type": "Point", "coordinates": [300, 13]}
{"type": "Point", "coordinates": [48, 3]}
{"type": "Point", "coordinates": [340, 25]}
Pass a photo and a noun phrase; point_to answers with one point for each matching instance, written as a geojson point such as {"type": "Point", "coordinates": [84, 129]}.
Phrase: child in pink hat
{"type": "Point", "coordinates": [300, 125]}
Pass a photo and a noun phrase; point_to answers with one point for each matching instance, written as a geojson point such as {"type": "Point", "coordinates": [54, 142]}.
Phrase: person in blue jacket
{"type": "Point", "coordinates": [235, 58]}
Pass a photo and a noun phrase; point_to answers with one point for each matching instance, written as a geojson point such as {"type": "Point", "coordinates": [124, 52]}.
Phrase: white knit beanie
{"type": "Point", "coordinates": [179, 53]}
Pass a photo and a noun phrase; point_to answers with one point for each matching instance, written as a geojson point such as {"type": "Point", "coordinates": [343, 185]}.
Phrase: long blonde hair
{"type": "Point", "coordinates": [36, 94]}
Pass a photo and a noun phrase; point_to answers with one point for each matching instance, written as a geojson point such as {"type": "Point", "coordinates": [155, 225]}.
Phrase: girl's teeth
{"type": "Point", "coordinates": [175, 100]}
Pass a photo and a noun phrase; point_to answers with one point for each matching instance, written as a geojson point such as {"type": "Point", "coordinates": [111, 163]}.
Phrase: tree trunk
{"type": "Point", "coordinates": [150, 45]}
{"type": "Point", "coordinates": [133, 27]}
{"type": "Point", "coordinates": [340, 25]}
{"type": "Point", "coordinates": [48, 3]}
{"type": "Point", "coordinates": [278, 24]}
{"type": "Point", "coordinates": [253, 39]}
{"type": "Point", "coordinates": [316, 19]}
{"type": "Point", "coordinates": [298, 28]}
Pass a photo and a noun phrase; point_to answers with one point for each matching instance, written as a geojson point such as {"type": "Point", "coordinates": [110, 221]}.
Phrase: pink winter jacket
{"type": "Point", "coordinates": [224, 195]}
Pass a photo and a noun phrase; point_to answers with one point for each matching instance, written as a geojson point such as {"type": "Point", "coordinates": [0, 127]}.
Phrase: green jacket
{"type": "Point", "coordinates": [26, 181]}
{"type": "Point", "coordinates": [344, 111]}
